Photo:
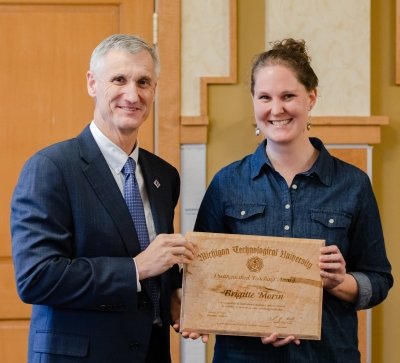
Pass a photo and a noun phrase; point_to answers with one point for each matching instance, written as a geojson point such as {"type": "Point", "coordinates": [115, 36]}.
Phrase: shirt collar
{"type": "Point", "coordinates": [259, 160]}
{"type": "Point", "coordinates": [114, 155]}
{"type": "Point", "coordinates": [323, 166]}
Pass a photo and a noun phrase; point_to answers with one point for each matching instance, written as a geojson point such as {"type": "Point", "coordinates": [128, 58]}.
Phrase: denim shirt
{"type": "Point", "coordinates": [333, 201]}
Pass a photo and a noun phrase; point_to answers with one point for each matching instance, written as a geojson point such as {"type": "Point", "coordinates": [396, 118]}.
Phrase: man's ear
{"type": "Point", "coordinates": [91, 83]}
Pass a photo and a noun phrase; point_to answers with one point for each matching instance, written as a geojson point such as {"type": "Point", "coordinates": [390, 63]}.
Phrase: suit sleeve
{"type": "Point", "coordinates": [49, 268]}
{"type": "Point", "coordinates": [176, 275]}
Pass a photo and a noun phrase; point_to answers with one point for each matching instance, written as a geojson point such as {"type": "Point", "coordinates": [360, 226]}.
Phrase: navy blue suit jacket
{"type": "Point", "coordinates": [73, 241]}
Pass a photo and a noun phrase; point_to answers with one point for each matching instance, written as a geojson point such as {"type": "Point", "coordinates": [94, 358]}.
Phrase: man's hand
{"type": "Point", "coordinates": [162, 253]}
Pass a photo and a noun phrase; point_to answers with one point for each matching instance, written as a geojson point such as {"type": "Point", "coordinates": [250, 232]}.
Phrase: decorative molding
{"type": "Point", "coordinates": [194, 128]}
{"type": "Point", "coordinates": [168, 97]}
{"type": "Point", "coordinates": [167, 126]}
{"type": "Point", "coordinates": [398, 42]}
{"type": "Point", "coordinates": [348, 129]}
{"type": "Point", "coordinates": [349, 120]}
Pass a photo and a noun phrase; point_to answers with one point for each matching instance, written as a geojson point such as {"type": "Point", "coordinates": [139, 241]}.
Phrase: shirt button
{"type": "Point", "coordinates": [242, 213]}
{"type": "Point", "coordinates": [294, 186]}
{"type": "Point", "coordinates": [331, 221]}
{"type": "Point", "coordinates": [286, 228]}
{"type": "Point", "coordinates": [287, 206]}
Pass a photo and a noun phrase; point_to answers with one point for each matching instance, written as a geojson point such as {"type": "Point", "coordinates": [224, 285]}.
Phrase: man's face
{"type": "Point", "coordinates": [123, 86]}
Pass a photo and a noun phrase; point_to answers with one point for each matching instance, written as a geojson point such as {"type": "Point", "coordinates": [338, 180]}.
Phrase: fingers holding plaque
{"type": "Point", "coordinates": [253, 286]}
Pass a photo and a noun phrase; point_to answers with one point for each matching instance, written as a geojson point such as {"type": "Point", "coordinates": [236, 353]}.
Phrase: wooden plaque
{"type": "Point", "coordinates": [253, 286]}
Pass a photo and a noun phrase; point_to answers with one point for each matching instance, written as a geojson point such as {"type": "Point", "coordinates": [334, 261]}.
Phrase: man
{"type": "Point", "coordinates": [98, 294]}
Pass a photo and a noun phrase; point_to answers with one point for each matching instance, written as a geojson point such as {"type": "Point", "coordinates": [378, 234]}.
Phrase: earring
{"type": "Point", "coordinates": [257, 132]}
{"type": "Point", "coordinates": [308, 126]}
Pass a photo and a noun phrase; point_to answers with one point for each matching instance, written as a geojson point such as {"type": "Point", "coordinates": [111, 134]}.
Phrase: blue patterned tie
{"type": "Point", "coordinates": [135, 206]}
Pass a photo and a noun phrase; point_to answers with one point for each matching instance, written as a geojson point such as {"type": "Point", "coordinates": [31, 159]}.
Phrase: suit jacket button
{"type": "Point", "coordinates": [134, 346]}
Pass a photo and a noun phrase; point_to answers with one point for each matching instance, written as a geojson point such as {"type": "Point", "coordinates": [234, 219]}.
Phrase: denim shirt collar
{"type": "Point", "coordinates": [323, 166]}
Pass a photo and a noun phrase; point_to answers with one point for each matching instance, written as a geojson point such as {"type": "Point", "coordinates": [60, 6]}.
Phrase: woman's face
{"type": "Point", "coordinates": [281, 104]}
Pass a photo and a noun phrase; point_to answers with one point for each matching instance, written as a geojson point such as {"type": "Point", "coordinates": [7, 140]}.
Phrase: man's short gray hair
{"type": "Point", "coordinates": [130, 43]}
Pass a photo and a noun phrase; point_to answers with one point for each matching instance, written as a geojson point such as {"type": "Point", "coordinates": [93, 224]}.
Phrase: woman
{"type": "Point", "coordinates": [292, 187]}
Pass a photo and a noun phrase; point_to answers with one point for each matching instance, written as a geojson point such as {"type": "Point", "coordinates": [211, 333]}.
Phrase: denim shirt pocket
{"type": "Point", "coordinates": [332, 226]}
{"type": "Point", "coordinates": [246, 218]}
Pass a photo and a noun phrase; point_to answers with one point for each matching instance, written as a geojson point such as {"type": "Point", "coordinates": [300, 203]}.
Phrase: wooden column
{"type": "Point", "coordinates": [349, 138]}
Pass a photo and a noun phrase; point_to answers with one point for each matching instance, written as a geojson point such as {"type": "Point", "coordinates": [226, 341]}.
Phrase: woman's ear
{"type": "Point", "coordinates": [313, 98]}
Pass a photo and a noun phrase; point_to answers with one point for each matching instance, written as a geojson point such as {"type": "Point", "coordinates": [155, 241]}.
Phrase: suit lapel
{"type": "Point", "coordinates": [103, 183]}
{"type": "Point", "coordinates": [155, 187]}
{"type": "Point", "coordinates": [155, 192]}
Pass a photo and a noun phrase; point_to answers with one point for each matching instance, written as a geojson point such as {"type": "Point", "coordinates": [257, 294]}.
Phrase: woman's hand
{"type": "Point", "coordinates": [194, 336]}
{"type": "Point", "coordinates": [279, 342]}
{"type": "Point", "coordinates": [176, 298]}
{"type": "Point", "coordinates": [335, 280]}
{"type": "Point", "coordinates": [333, 267]}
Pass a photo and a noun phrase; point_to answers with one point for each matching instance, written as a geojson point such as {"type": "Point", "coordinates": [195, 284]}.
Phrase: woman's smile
{"type": "Point", "coordinates": [280, 123]}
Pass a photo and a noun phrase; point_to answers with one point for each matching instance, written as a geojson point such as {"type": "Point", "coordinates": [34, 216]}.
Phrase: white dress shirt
{"type": "Point", "coordinates": [116, 159]}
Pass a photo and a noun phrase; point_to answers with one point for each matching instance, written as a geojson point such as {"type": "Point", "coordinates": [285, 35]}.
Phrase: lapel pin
{"type": "Point", "coordinates": [156, 183]}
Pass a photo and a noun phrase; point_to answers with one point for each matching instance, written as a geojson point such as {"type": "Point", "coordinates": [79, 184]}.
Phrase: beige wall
{"type": "Point", "coordinates": [205, 41]}
{"type": "Point", "coordinates": [231, 130]}
{"type": "Point", "coordinates": [231, 136]}
{"type": "Point", "coordinates": [333, 41]}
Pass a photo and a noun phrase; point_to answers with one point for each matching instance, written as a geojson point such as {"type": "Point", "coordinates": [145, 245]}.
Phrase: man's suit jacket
{"type": "Point", "coordinates": [73, 240]}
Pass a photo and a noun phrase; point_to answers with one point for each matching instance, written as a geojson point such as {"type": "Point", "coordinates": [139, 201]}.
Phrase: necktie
{"type": "Point", "coordinates": [135, 206]}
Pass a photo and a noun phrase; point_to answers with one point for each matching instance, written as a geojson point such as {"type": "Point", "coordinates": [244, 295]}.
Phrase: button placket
{"type": "Point", "coordinates": [287, 205]}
